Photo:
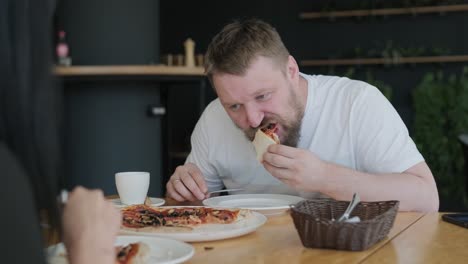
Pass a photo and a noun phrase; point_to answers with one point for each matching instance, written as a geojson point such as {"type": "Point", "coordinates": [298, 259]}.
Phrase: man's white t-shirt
{"type": "Point", "coordinates": [346, 122]}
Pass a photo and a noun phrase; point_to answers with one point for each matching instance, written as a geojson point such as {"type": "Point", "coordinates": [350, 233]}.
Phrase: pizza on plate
{"type": "Point", "coordinates": [133, 253]}
{"type": "Point", "coordinates": [147, 218]}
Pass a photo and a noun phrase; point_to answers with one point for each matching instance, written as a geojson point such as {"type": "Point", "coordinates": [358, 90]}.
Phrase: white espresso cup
{"type": "Point", "coordinates": [132, 186]}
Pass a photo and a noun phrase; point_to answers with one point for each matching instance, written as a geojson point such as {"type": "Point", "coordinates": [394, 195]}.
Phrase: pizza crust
{"type": "Point", "coordinates": [261, 143]}
{"type": "Point", "coordinates": [158, 229]}
{"type": "Point", "coordinates": [243, 214]}
{"type": "Point", "coordinates": [142, 255]}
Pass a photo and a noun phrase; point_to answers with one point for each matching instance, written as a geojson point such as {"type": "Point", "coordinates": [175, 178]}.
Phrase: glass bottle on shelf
{"type": "Point", "coordinates": [62, 50]}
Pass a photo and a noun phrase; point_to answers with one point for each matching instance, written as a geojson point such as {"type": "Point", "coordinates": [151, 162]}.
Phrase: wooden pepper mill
{"type": "Point", "coordinates": [189, 53]}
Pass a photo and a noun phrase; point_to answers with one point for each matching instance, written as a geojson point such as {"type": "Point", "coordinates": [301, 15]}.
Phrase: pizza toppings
{"type": "Point", "coordinates": [265, 137]}
{"type": "Point", "coordinates": [124, 254]}
{"type": "Point", "coordinates": [132, 253]}
{"type": "Point", "coordinates": [139, 216]}
{"type": "Point", "coordinates": [270, 131]}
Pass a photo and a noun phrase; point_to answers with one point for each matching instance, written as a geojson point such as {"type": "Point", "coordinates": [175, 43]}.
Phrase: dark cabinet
{"type": "Point", "coordinates": [108, 129]}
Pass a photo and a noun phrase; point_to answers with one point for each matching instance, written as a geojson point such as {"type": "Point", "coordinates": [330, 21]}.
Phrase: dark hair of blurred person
{"type": "Point", "coordinates": [30, 158]}
{"type": "Point", "coordinates": [29, 140]}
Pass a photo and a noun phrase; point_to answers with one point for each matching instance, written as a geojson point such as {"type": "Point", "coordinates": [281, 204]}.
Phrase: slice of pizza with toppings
{"type": "Point", "coordinates": [265, 137]}
{"type": "Point", "coordinates": [133, 253]}
{"type": "Point", "coordinates": [142, 216]}
{"type": "Point", "coordinates": [270, 131]}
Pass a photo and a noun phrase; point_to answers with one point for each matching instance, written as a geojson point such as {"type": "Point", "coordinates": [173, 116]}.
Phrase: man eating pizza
{"type": "Point", "coordinates": [338, 136]}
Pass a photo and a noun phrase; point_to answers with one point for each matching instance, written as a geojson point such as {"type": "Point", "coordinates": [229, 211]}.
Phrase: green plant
{"type": "Point", "coordinates": [441, 114]}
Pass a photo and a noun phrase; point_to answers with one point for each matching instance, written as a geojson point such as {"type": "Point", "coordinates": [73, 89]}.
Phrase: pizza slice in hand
{"type": "Point", "coordinates": [263, 138]}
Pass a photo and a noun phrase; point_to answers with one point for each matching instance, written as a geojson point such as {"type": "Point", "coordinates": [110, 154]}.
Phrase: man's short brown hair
{"type": "Point", "coordinates": [232, 50]}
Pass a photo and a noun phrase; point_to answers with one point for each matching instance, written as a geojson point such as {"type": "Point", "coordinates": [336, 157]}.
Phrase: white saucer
{"type": "Point", "coordinates": [154, 202]}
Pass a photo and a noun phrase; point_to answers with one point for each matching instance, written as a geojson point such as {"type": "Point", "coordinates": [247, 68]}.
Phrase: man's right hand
{"type": "Point", "coordinates": [187, 183]}
{"type": "Point", "coordinates": [90, 226]}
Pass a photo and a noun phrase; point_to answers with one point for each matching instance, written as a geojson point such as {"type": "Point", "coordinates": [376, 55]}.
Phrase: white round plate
{"type": "Point", "coordinates": [267, 204]}
{"type": "Point", "coordinates": [209, 232]}
{"type": "Point", "coordinates": [154, 202]}
{"type": "Point", "coordinates": [162, 250]}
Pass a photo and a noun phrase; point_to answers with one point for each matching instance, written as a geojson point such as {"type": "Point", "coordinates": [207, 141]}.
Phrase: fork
{"type": "Point", "coordinates": [226, 190]}
{"type": "Point", "coordinates": [354, 201]}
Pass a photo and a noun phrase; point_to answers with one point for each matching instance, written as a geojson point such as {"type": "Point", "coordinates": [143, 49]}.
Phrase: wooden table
{"type": "Point", "coordinates": [278, 242]}
{"type": "Point", "coordinates": [414, 238]}
{"type": "Point", "coordinates": [429, 240]}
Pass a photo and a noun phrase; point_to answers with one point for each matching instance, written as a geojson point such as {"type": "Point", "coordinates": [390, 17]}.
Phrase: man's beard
{"type": "Point", "coordinates": [291, 129]}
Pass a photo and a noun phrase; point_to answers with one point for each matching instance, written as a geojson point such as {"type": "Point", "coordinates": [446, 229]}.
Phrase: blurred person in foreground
{"type": "Point", "coordinates": [338, 136]}
{"type": "Point", "coordinates": [30, 158]}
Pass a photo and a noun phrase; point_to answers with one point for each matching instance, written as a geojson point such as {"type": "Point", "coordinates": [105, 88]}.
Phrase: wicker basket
{"type": "Point", "coordinates": [313, 221]}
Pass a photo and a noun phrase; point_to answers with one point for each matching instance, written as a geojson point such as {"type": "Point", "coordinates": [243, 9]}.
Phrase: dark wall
{"type": "Point", "coordinates": [108, 130]}
{"type": "Point", "coordinates": [106, 125]}
{"type": "Point", "coordinates": [110, 32]}
{"type": "Point", "coordinates": [312, 39]}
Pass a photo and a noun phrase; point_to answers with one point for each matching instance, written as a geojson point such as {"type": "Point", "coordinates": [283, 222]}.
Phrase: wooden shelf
{"type": "Point", "coordinates": [385, 12]}
{"type": "Point", "coordinates": [372, 61]}
{"type": "Point", "coordinates": [131, 70]}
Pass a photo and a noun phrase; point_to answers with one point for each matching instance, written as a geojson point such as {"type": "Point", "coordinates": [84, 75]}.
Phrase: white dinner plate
{"type": "Point", "coordinates": [154, 202]}
{"type": "Point", "coordinates": [162, 250]}
{"type": "Point", "coordinates": [209, 232]}
{"type": "Point", "coordinates": [267, 204]}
